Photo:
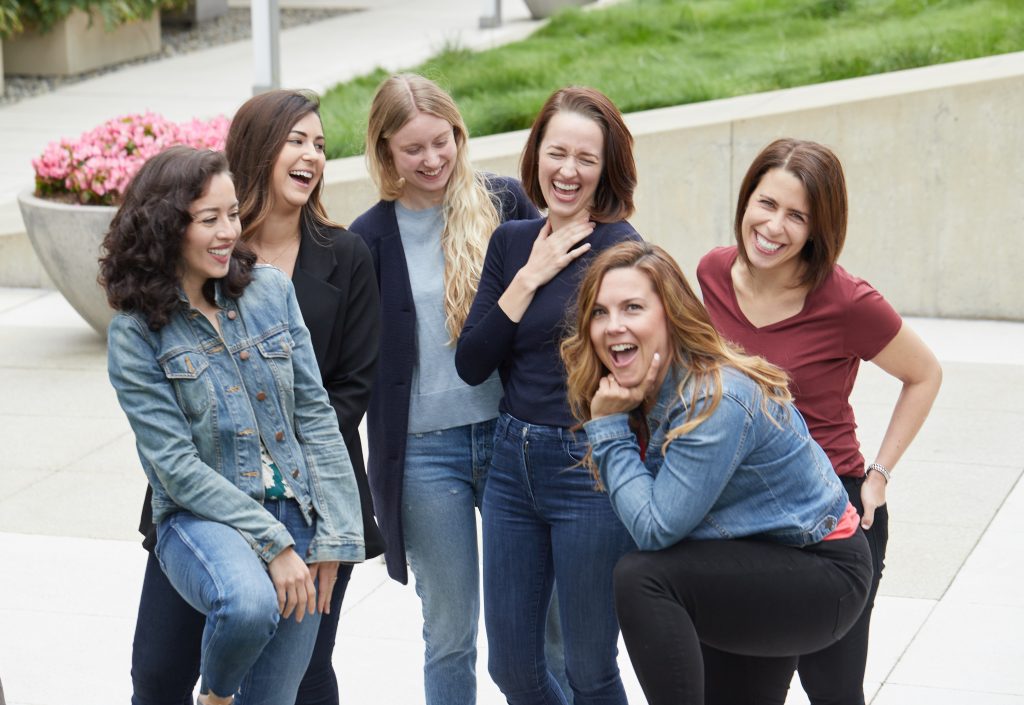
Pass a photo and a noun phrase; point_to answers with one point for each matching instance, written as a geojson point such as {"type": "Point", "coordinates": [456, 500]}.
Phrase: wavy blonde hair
{"type": "Point", "coordinates": [697, 351]}
{"type": "Point", "coordinates": [470, 211]}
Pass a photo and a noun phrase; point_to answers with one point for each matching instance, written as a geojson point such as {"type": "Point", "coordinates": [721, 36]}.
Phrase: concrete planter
{"type": "Point", "coordinates": [195, 12]}
{"type": "Point", "coordinates": [67, 239]}
{"type": "Point", "coordinates": [541, 9]}
{"type": "Point", "coordinates": [76, 45]}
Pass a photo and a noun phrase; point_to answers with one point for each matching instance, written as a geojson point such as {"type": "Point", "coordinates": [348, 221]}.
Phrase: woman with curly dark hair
{"type": "Point", "coordinates": [254, 497]}
{"type": "Point", "coordinates": [275, 149]}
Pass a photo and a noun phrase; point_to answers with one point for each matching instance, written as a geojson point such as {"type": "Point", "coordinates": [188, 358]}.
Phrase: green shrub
{"type": "Point", "coordinates": [42, 15]}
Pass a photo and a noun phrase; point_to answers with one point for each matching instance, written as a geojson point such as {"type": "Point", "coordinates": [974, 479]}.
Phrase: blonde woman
{"type": "Point", "coordinates": [430, 434]}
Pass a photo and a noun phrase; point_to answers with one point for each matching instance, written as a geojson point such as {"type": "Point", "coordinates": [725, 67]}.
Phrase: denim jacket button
{"type": "Point", "coordinates": [279, 436]}
{"type": "Point", "coordinates": [260, 396]}
{"type": "Point", "coordinates": [244, 355]}
{"type": "Point", "coordinates": [232, 315]}
{"type": "Point", "coordinates": [295, 474]}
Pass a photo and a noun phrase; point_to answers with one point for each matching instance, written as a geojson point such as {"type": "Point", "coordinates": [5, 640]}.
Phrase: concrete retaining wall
{"type": "Point", "coordinates": [934, 159]}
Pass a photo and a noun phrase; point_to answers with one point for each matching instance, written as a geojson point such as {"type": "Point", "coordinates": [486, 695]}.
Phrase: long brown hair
{"type": "Point", "coordinates": [697, 352]}
{"type": "Point", "coordinates": [821, 174]}
{"type": "Point", "coordinates": [613, 199]}
{"type": "Point", "coordinates": [255, 139]}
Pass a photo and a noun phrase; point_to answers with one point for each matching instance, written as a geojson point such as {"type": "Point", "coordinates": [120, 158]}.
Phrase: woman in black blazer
{"type": "Point", "coordinates": [430, 434]}
{"type": "Point", "coordinates": [275, 148]}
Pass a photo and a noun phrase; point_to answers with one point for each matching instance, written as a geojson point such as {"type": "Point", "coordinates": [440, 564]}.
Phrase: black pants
{"type": "Point", "coordinates": [168, 639]}
{"type": "Point", "coordinates": [835, 675]}
{"type": "Point", "coordinates": [747, 598]}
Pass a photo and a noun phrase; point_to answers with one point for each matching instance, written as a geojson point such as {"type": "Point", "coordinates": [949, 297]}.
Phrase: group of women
{"type": "Point", "coordinates": [638, 460]}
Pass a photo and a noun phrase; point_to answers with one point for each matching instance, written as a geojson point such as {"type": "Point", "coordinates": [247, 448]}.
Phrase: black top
{"type": "Point", "coordinates": [387, 420]}
{"type": "Point", "coordinates": [334, 285]}
{"type": "Point", "coordinates": [526, 353]}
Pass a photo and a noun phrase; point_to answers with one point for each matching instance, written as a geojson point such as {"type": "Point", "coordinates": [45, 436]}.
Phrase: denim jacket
{"type": "Point", "coordinates": [199, 404]}
{"type": "Point", "coordinates": [737, 474]}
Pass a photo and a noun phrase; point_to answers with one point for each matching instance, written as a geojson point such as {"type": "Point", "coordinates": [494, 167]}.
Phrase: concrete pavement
{"type": "Point", "coordinates": [947, 623]}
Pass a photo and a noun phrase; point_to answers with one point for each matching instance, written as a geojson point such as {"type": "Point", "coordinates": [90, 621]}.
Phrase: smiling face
{"type": "Point", "coordinates": [569, 165]}
{"type": "Point", "coordinates": [776, 224]}
{"type": "Point", "coordinates": [423, 152]}
{"type": "Point", "coordinates": [210, 237]}
{"type": "Point", "coordinates": [300, 164]}
{"type": "Point", "coordinates": [628, 325]}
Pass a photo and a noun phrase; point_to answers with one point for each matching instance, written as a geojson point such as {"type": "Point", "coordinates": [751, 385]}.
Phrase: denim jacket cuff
{"type": "Point", "coordinates": [608, 428]}
{"type": "Point", "coordinates": [335, 550]}
{"type": "Point", "coordinates": [270, 546]}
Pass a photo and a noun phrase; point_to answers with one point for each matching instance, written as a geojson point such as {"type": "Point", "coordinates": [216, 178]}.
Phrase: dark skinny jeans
{"type": "Point", "coordinates": [168, 639]}
{"type": "Point", "coordinates": [750, 598]}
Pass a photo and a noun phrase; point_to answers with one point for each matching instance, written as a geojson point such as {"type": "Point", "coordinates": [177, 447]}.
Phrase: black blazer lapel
{"type": "Point", "coordinates": [318, 298]}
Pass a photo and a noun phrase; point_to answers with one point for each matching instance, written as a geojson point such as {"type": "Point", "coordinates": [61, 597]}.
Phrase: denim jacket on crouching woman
{"type": "Point", "coordinates": [199, 403]}
{"type": "Point", "coordinates": [737, 474]}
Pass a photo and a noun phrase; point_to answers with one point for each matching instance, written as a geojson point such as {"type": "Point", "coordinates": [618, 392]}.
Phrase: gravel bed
{"type": "Point", "coordinates": [176, 40]}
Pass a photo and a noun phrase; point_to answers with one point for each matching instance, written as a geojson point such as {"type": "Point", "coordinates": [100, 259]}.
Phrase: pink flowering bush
{"type": "Point", "coordinates": [95, 169]}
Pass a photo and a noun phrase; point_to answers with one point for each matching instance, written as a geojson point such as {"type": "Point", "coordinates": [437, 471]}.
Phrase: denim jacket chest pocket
{"type": "Point", "coordinates": [187, 370]}
{"type": "Point", "coordinates": [276, 351]}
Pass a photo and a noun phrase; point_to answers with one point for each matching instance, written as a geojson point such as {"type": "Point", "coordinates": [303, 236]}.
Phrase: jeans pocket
{"type": "Point", "coordinates": [576, 450]}
{"type": "Point", "coordinates": [847, 612]}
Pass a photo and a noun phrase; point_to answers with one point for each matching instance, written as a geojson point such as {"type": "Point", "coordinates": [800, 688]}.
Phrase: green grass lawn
{"type": "Point", "coordinates": [654, 53]}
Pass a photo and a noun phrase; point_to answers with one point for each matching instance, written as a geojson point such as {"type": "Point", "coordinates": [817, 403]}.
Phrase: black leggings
{"type": "Point", "coordinates": [745, 597]}
{"type": "Point", "coordinates": [835, 675]}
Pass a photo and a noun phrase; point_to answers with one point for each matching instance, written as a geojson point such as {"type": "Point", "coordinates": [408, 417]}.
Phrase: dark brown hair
{"type": "Point", "coordinates": [257, 134]}
{"type": "Point", "coordinates": [821, 174]}
{"type": "Point", "coordinates": [142, 250]}
{"type": "Point", "coordinates": [613, 199]}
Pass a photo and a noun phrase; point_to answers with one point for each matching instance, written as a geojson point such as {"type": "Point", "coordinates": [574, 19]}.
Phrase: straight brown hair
{"type": "Point", "coordinates": [613, 200]}
{"type": "Point", "coordinates": [821, 174]}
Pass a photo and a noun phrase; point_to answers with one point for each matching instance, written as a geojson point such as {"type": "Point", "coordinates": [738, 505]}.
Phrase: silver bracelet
{"type": "Point", "coordinates": [881, 470]}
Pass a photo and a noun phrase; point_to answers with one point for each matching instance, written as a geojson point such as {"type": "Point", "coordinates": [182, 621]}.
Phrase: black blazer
{"type": "Point", "coordinates": [388, 417]}
{"type": "Point", "coordinates": [334, 285]}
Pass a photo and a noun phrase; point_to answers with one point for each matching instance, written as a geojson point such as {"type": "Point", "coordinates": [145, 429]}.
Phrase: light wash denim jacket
{"type": "Point", "coordinates": [735, 475]}
{"type": "Point", "coordinates": [199, 404]}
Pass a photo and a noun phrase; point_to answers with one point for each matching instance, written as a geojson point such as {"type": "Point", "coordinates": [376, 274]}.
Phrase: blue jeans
{"type": "Point", "coordinates": [169, 634]}
{"type": "Point", "coordinates": [445, 475]}
{"type": "Point", "coordinates": [545, 525]}
{"type": "Point", "coordinates": [246, 649]}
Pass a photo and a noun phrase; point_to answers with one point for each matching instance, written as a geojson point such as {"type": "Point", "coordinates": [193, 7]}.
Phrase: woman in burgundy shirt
{"type": "Point", "coordinates": [779, 293]}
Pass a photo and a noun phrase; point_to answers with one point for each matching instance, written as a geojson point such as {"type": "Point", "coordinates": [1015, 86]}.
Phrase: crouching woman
{"type": "Point", "coordinates": [749, 545]}
{"type": "Point", "coordinates": [254, 496]}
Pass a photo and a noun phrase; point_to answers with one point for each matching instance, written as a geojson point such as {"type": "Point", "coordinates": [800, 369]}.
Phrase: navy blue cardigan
{"type": "Point", "coordinates": [387, 419]}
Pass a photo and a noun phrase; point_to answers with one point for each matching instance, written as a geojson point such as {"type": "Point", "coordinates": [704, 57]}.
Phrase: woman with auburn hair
{"type": "Point", "coordinates": [275, 149]}
{"type": "Point", "coordinates": [250, 478]}
{"type": "Point", "coordinates": [545, 528]}
{"type": "Point", "coordinates": [748, 542]}
{"type": "Point", "coordinates": [780, 293]}
{"type": "Point", "coordinates": [430, 434]}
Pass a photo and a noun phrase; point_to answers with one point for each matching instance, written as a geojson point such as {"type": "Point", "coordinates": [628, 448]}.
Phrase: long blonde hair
{"type": "Point", "coordinates": [470, 212]}
{"type": "Point", "coordinates": [697, 351]}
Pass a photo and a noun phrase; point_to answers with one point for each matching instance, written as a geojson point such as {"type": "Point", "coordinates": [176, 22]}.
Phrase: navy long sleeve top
{"type": "Point", "coordinates": [526, 353]}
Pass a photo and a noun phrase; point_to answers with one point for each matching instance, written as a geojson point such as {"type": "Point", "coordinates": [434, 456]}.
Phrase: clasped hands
{"type": "Point", "coordinates": [294, 582]}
